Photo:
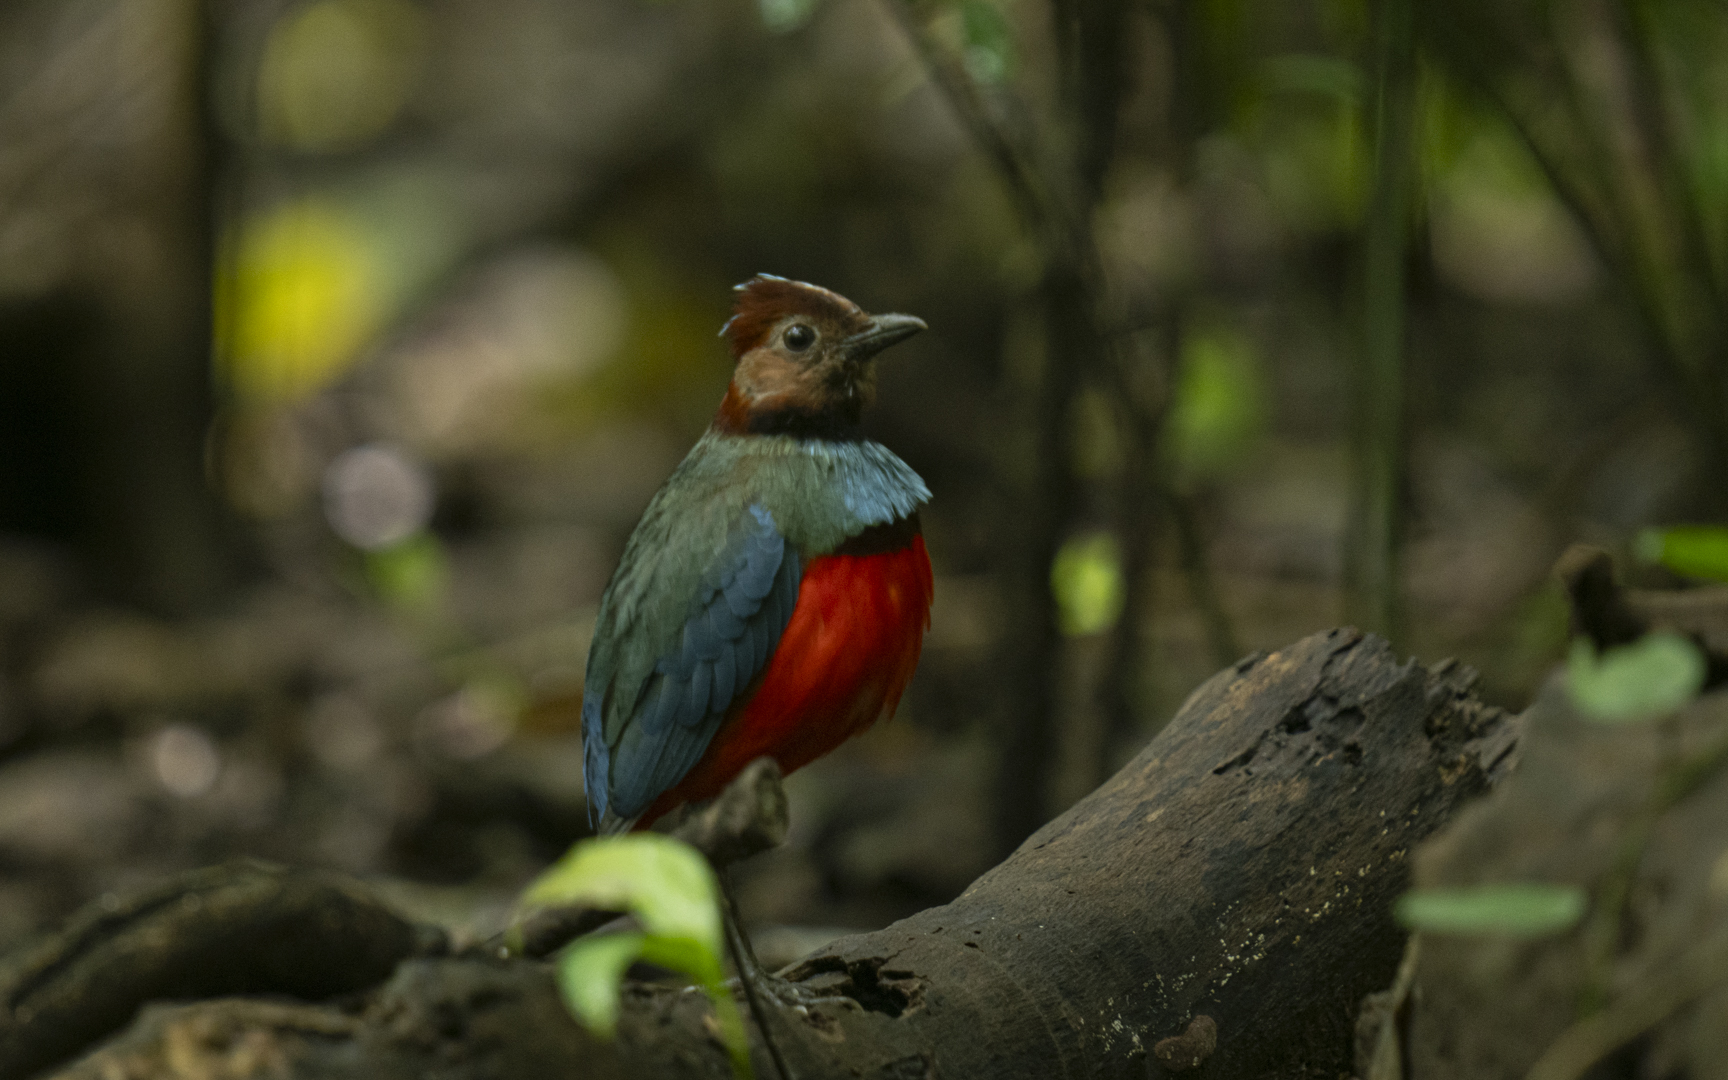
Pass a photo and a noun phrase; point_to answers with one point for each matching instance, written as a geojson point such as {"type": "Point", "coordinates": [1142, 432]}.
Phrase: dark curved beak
{"type": "Point", "coordinates": [884, 331]}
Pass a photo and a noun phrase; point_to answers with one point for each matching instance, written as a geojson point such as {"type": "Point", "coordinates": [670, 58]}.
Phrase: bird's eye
{"type": "Point", "coordinates": [799, 337]}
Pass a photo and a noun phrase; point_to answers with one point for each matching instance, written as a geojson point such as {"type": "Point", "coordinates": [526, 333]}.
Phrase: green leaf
{"type": "Point", "coordinates": [990, 54]}
{"type": "Point", "coordinates": [669, 887]}
{"type": "Point", "coordinates": [694, 958]}
{"type": "Point", "coordinates": [1694, 550]}
{"type": "Point", "coordinates": [1509, 910]}
{"type": "Point", "coordinates": [784, 16]}
{"type": "Point", "coordinates": [1656, 674]}
{"type": "Point", "coordinates": [732, 1035]}
{"type": "Point", "coordinates": [1087, 581]}
{"type": "Point", "coordinates": [665, 883]}
{"type": "Point", "coordinates": [589, 972]}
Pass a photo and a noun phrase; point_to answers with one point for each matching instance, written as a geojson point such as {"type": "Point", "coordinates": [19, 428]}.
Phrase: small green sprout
{"type": "Point", "coordinates": [670, 889]}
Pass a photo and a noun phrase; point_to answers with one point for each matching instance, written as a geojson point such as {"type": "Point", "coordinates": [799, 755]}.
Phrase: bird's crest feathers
{"type": "Point", "coordinates": [766, 299]}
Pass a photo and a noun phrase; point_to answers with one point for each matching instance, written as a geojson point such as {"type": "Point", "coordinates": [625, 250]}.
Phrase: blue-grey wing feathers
{"type": "Point", "coordinates": [744, 601]}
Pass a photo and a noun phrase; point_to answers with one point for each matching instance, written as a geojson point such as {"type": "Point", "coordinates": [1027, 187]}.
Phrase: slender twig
{"type": "Point", "coordinates": [1591, 1039]}
{"type": "Point", "coordinates": [1202, 587]}
{"type": "Point", "coordinates": [1655, 106]}
{"type": "Point", "coordinates": [1610, 227]}
{"type": "Point", "coordinates": [1602, 933]}
{"type": "Point", "coordinates": [1606, 1026]}
{"type": "Point", "coordinates": [1592, 220]}
{"type": "Point", "coordinates": [1012, 163]}
{"type": "Point", "coordinates": [1056, 208]}
{"type": "Point", "coordinates": [1690, 774]}
{"type": "Point", "coordinates": [1069, 321]}
{"type": "Point", "coordinates": [1141, 412]}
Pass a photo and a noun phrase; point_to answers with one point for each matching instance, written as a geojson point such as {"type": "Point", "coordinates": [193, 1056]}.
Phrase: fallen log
{"type": "Point", "coordinates": [1219, 907]}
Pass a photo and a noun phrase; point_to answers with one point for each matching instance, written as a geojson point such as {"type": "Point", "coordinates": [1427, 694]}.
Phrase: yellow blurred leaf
{"type": "Point", "coordinates": [296, 298]}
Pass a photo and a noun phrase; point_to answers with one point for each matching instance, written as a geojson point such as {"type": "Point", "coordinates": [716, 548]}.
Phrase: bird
{"type": "Point", "coordinates": [773, 598]}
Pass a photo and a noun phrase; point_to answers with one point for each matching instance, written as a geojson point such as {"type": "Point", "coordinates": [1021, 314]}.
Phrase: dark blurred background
{"type": "Point", "coordinates": [342, 341]}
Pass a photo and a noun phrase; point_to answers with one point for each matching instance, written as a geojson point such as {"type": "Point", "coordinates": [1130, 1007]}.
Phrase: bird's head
{"type": "Point", "coordinates": [804, 359]}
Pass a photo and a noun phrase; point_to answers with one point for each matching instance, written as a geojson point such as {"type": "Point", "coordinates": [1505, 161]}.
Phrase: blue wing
{"type": "Point", "coordinates": [742, 606]}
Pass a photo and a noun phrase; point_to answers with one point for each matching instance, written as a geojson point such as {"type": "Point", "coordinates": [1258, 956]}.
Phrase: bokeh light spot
{"type": "Point", "coordinates": [1087, 580]}
{"type": "Point", "coordinates": [335, 73]}
{"type": "Point", "coordinates": [1219, 410]}
{"type": "Point", "coordinates": [185, 760]}
{"type": "Point", "coordinates": [375, 496]}
{"type": "Point", "coordinates": [470, 723]}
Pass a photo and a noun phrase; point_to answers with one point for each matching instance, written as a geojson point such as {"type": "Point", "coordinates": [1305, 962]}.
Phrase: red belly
{"type": "Point", "coordinates": [843, 662]}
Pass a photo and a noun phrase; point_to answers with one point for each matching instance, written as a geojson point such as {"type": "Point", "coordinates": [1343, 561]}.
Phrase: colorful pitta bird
{"type": "Point", "coordinates": [773, 599]}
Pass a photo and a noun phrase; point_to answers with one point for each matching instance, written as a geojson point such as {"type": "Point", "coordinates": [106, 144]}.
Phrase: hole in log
{"type": "Point", "coordinates": [891, 993]}
{"type": "Point", "coordinates": [1238, 761]}
{"type": "Point", "coordinates": [915, 1067]}
{"type": "Point", "coordinates": [1295, 721]}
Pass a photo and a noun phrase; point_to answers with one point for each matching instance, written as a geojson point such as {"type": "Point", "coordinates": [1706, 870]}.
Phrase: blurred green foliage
{"type": "Point", "coordinates": [1087, 581]}
{"type": "Point", "coordinates": [412, 575]}
{"type": "Point", "coordinates": [783, 16]}
{"type": "Point", "coordinates": [1699, 551]}
{"type": "Point", "coordinates": [1304, 119]}
{"type": "Point", "coordinates": [990, 53]}
{"type": "Point", "coordinates": [1654, 675]}
{"type": "Point", "coordinates": [1519, 910]}
{"type": "Point", "coordinates": [1219, 409]}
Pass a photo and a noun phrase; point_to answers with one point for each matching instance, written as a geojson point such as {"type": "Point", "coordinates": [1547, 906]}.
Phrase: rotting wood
{"type": "Point", "coordinates": [1241, 867]}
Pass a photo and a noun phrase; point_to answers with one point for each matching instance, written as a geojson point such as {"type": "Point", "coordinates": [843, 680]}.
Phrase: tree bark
{"type": "Point", "coordinates": [105, 382]}
{"type": "Point", "coordinates": [1220, 906]}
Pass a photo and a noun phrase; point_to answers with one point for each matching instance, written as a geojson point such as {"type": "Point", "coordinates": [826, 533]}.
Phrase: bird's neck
{"type": "Point", "coordinates": [832, 418]}
{"type": "Point", "coordinates": [820, 492]}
